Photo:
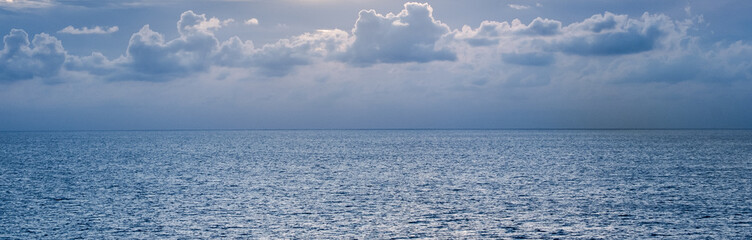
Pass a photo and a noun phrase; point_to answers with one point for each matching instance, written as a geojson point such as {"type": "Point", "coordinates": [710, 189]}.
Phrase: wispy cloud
{"type": "Point", "coordinates": [22, 5]}
{"type": "Point", "coordinates": [86, 30]}
{"type": "Point", "coordinates": [518, 6]}
{"type": "Point", "coordinates": [25, 4]}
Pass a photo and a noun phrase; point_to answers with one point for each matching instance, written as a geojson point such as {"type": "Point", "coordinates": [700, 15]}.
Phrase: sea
{"type": "Point", "coordinates": [376, 184]}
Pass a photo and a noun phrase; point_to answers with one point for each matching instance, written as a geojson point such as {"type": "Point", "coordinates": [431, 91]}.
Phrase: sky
{"type": "Point", "coordinates": [374, 64]}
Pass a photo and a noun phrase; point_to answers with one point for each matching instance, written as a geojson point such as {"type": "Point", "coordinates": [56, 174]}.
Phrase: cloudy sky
{"type": "Point", "coordinates": [257, 64]}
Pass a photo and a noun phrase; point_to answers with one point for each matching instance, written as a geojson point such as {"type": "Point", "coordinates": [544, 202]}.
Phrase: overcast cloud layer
{"type": "Point", "coordinates": [402, 69]}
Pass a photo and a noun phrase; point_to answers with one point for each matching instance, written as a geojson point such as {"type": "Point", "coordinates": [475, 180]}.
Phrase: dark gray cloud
{"type": "Point", "coordinates": [610, 34]}
{"type": "Point", "coordinates": [21, 59]}
{"type": "Point", "coordinates": [610, 43]}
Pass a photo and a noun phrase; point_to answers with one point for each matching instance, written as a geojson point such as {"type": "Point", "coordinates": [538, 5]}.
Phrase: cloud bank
{"type": "Point", "coordinates": [412, 35]}
{"type": "Point", "coordinates": [407, 65]}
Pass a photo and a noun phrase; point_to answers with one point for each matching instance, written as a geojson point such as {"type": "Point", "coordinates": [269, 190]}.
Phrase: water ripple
{"type": "Point", "coordinates": [376, 184]}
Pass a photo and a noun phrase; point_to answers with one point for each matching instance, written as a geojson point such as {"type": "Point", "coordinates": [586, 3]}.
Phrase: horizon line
{"type": "Point", "coordinates": [370, 129]}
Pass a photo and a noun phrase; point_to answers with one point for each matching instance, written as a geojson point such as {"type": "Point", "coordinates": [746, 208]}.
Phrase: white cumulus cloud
{"type": "Point", "coordinates": [252, 21]}
{"type": "Point", "coordinates": [21, 59]}
{"type": "Point", "coordinates": [409, 36]}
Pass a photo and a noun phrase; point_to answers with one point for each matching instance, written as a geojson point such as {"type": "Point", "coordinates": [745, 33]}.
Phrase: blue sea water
{"type": "Point", "coordinates": [369, 184]}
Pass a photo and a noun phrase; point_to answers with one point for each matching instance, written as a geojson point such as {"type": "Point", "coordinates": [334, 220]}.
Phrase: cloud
{"type": "Point", "coordinates": [191, 23]}
{"type": "Point", "coordinates": [279, 58]}
{"type": "Point", "coordinates": [37, 4]}
{"type": "Point", "coordinates": [409, 36]}
{"type": "Point", "coordinates": [150, 57]}
{"type": "Point", "coordinates": [491, 32]}
{"type": "Point", "coordinates": [600, 22]}
{"type": "Point", "coordinates": [153, 57]}
{"type": "Point", "coordinates": [25, 4]}
{"type": "Point", "coordinates": [523, 7]}
{"type": "Point", "coordinates": [86, 30]}
{"type": "Point", "coordinates": [252, 21]}
{"type": "Point", "coordinates": [412, 35]}
{"type": "Point", "coordinates": [149, 53]}
{"type": "Point", "coordinates": [620, 66]}
{"type": "Point", "coordinates": [605, 47]}
{"type": "Point", "coordinates": [235, 52]}
{"type": "Point", "coordinates": [96, 64]}
{"type": "Point", "coordinates": [611, 34]}
{"type": "Point", "coordinates": [518, 6]}
{"type": "Point", "coordinates": [542, 27]}
{"type": "Point", "coordinates": [600, 35]}
{"type": "Point", "coordinates": [21, 59]}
